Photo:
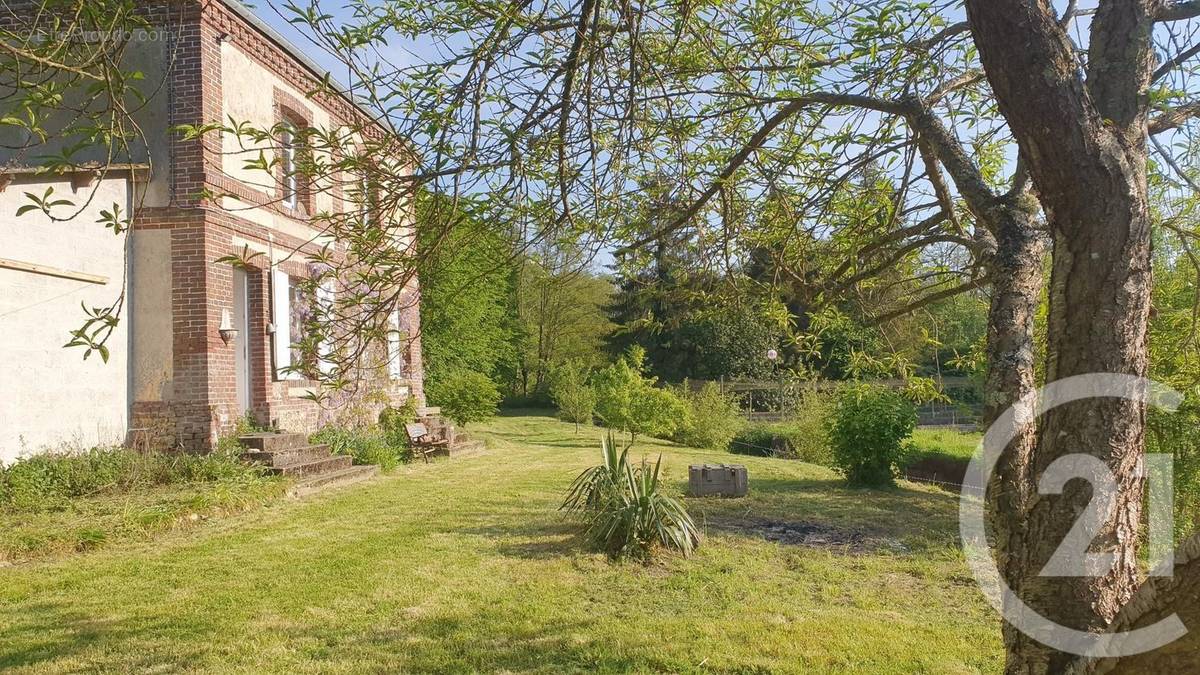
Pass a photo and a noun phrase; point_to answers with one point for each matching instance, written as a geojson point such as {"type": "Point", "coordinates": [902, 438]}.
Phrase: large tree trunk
{"type": "Point", "coordinates": [1085, 146]}
{"type": "Point", "coordinates": [1017, 269]}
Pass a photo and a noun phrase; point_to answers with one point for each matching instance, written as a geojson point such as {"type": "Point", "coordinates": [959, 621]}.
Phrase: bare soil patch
{"type": "Point", "coordinates": [808, 535]}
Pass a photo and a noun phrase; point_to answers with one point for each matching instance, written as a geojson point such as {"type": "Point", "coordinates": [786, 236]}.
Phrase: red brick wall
{"type": "Point", "coordinates": [204, 401]}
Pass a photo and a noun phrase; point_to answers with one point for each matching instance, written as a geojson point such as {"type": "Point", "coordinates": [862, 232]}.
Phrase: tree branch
{"type": "Point", "coordinates": [929, 300]}
{"type": "Point", "coordinates": [1179, 11]}
{"type": "Point", "coordinates": [1174, 63]}
{"type": "Point", "coordinates": [1173, 118]}
{"type": "Point", "coordinates": [966, 175]}
{"type": "Point", "coordinates": [756, 141]}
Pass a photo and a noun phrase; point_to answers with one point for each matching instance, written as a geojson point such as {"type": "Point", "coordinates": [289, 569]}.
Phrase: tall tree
{"type": "Point", "coordinates": [468, 300]}
{"type": "Point", "coordinates": [561, 313]}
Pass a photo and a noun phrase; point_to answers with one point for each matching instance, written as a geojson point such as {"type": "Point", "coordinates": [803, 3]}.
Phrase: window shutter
{"type": "Point", "coordinates": [395, 358]}
{"type": "Point", "coordinates": [325, 301]}
{"type": "Point", "coordinates": [283, 324]}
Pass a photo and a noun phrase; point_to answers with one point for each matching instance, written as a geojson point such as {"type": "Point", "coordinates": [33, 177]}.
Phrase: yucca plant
{"type": "Point", "coordinates": [622, 510]}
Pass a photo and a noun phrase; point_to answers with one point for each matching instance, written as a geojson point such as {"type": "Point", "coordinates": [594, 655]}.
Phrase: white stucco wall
{"type": "Point", "coordinates": [49, 395]}
{"type": "Point", "coordinates": [151, 285]}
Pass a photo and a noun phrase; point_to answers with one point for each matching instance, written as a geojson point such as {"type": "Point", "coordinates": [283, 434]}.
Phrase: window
{"type": "Point", "coordinates": [325, 296]}
{"type": "Point", "coordinates": [287, 162]}
{"type": "Point", "coordinates": [397, 365]}
{"type": "Point", "coordinates": [298, 316]}
{"type": "Point", "coordinates": [292, 312]}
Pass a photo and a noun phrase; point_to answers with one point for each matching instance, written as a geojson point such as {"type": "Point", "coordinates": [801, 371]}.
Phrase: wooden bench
{"type": "Point", "coordinates": [423, 443]}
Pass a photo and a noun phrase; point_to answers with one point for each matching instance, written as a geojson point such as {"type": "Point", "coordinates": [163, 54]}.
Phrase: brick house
{"type": "Point", "coordinates": [171, 376]}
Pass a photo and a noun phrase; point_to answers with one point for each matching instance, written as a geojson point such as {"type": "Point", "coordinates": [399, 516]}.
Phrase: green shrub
{"type": "Point", "coordinates": [573, 396]}
{"type": "Point", "coordinates": [467, 397]}
{"type": "Point", "coordinates": [628, 401]}
{"type": "Point", "coordinates": [714, 419]}
{"type": "Point", "coordinates": [867, 432]}
{"type": "Point", "coordinates": [50, 481]}
{"type": "Point", "coordinates": [624, 512]}
{"type": "Point", "coordinates": [759, 439]}
{"type": "Point", "coordinates": [1178, 434]}
{"type": "Point", "coordinates": [616, 386]}
{"type": "Point", "coordinates": [365, 446]}
{"type": "Point", "coordinates": [804, 437]}
{"type": "Point", "coordinates": [657, 412]}
{"type": "Point", "coordinates": [807, 432]}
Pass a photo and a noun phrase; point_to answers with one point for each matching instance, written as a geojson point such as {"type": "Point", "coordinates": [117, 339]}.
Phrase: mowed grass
{"type": "Point", "coordinates": [466, 566]}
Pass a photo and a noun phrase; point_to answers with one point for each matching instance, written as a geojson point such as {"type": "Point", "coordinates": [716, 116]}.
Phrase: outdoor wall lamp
{"type": "Point", "coordinates": [227, 331]}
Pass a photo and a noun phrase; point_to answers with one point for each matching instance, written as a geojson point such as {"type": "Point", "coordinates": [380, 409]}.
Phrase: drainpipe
{"type": "Point", "coordinates": [130, 356]}
{"type": "Point", "coordinates": [271, 318]}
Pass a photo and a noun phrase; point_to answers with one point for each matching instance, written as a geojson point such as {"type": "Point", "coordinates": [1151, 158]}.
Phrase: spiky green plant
{"type": "Point", "coordinates": [624, 513]}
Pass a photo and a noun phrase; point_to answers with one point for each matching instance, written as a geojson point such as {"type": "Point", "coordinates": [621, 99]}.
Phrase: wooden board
{"type": "Point", "coordinates": [46, 270]}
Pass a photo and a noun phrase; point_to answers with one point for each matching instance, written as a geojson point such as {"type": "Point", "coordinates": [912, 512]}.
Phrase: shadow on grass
{"type": "Point", "coordinates": [922, 519]}
{"type": "Point", "coordinates": [528, 413]}
{"type": "Point", "coordinates": [45, 633]}
{"type": "Point", "coordinates": [545, 539]}
{"type": "Point", "coordinates": [493, 640]}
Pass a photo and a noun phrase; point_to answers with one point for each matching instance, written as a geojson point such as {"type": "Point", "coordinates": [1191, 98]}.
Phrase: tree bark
{"type": "Point", "coordinates": [1017, 267]}
{"type": "Point", "coordinates": [1085, 147]}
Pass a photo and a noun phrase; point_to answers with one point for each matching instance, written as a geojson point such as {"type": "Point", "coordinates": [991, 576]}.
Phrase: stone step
{"type": "Point", "coordinates": [320, 466]}
{"type": "Point", "coordinates": [460, 450]}
{"type": "Point", "coordinates": [282, 458]}
{"type": "Point", "coordinates": [272, 442]}
{"type": "Point", "coordinates": [335, 479]}
{"type": "Point", "coordinates": [467, 449]}
{"type": "Point", "coordinates": [429, 411]}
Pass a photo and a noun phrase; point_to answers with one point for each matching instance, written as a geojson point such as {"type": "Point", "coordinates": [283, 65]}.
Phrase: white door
{"type": "Point", "coordinates": [241, 321]}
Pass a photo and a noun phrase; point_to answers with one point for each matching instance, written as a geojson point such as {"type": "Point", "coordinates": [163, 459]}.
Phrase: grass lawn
{"type": "Point", "coordinates": [946, 443]}
{"type": "Point", "coordinates": [466, 566]}
{"type": "Point", "coordinates": [90, 523]}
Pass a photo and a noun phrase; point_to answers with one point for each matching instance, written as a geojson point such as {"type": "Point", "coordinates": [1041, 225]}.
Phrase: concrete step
{"type": "Point", "coordinates": [282, 458]}
{"type": "Point", "coordinates": [272, 442]}
{"type": "Point", "coordinates": [335, 479]}
{"type": "Point", "coordinates": [318, 467]}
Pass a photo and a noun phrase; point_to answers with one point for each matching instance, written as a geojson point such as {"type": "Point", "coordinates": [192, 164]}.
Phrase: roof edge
{"type": "Point", "coordinates": [296, 53]}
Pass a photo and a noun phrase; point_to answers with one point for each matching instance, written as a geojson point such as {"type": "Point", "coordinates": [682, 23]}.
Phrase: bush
{"type": "Point", "coordinates": [867, 432]}
{"type": "Point", "coordinates": [1178, 434]}
{"type": "Point", "coordinates": [714, 419]}
{"type": "Point", "coordinates": [808, 430]}
{"type": "Point", "coordinates": [616, 386]}
{"type": "Point", "coordinates": [365, 446]}
{"type": "Point", "coordinates": [574, 398]}
{"type": "Point", "coordinates": [628, 401]}
{"type": "Point", "coordinates": [467, 397]}
{"type": "Point", "coordinates": [623, 511]}
{"type": "Point", "coordinates": [50, 481]}
{"type": "Point", "coordinates": [804, 437]}
{"type": "Point", "coordinates": [657, 412]}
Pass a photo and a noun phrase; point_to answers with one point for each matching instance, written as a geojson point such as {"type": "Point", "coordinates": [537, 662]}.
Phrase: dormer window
{"type": "Point", "coordinates": [287, 161]}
